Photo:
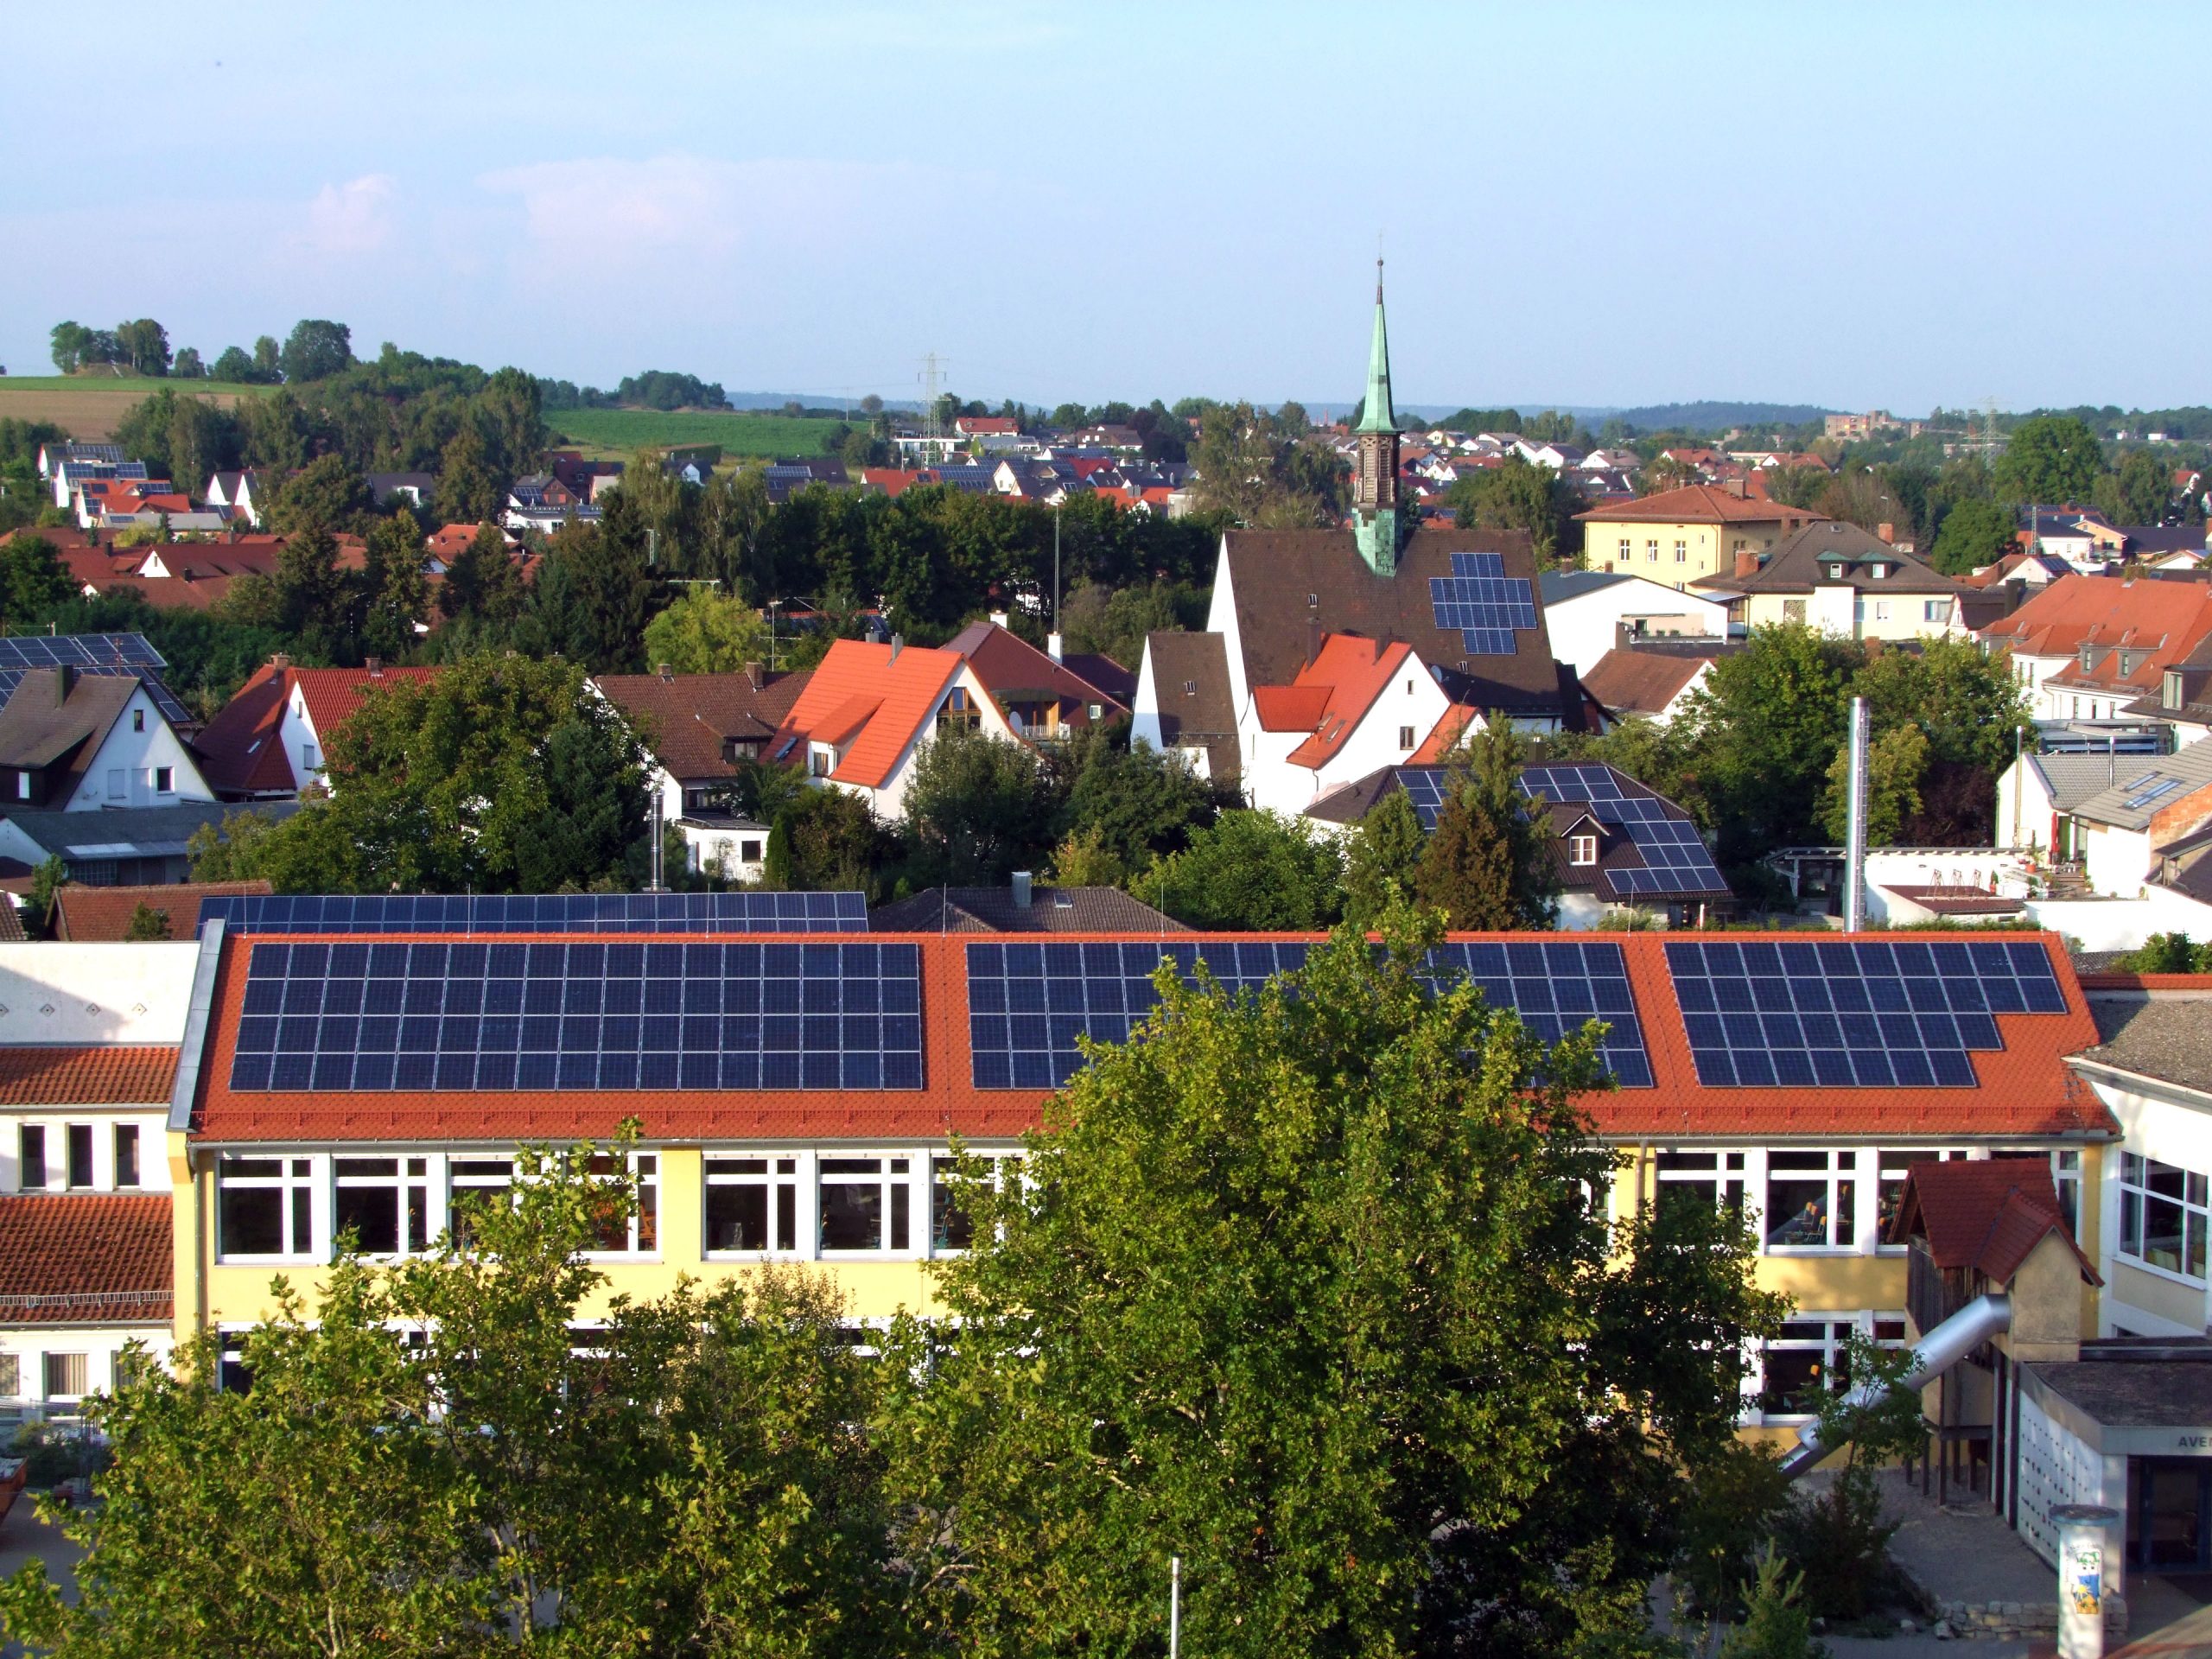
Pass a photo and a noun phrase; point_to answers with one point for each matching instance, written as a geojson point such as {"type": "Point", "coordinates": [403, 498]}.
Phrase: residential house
{"type": "Point", "coordinates": [786, 477]}
{"type": "Point", "coordinates": [1359, 704]}
{"type": "Point", "coordinates": [2183, 703]}
{"type": "Point", "coordinates": [1681, 535]}
{"type": "Point", "coordinates": [2087, 647]}
{"type": "Point", "coordinates": [542, 503]}
{"type": "Point", "coordinates": [74, 741]}
{"type": "Point", "coordinates": [1045, 482]}
{"type": "Point", "coordinates": [87, 915]}
{"type": "Point", "coordinates": [1585, 612]}
{"type": "Point", "coordinates": [1045, 696]}
{"type": "Point", "coordinates": [862, 719]}
{"type": "Point", "coordinates": [1185, 706]}
{"type": "Point", "coordinates": [241, 495]}
{"type": "Point", "coordinates": [416, 489]}
{"type": "Point", "coordinates": [2039, 793]}
{"type": "Point", "coordinates": [53, 456]}
{"type": "Point", "coordinates": [448, 543]}
{"type": "Point", "coordinates": [1652, 679]}
{"type": "Point", "coordinates": [986, 426]}
{"type": "Point", "coordinates": [269, 742]}
{"type": "Point", "coordinates": [70, 478]}
{"type": "Point", "coordinates": [584, 479]}
{"type": "Point", "coordinates": [1849, 585]}
{"type": "Point", "coordinates": [2138, 830]}
{"type": "Point", "coordinates": [144, 846]}
{"type": "Point", "coordinates": [1126, 439]}
{"type": "Point", "coordinates": [1854, 428]}
{"type": "Point", "coordinates": [2079, 536]}
{"type": "Point", "coordinates": [700, 729]}
{"type": "Point", "coordinates": [1021, 906]}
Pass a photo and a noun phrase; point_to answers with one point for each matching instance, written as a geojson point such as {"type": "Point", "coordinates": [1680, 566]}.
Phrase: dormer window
{"type": "Point", "coordinates": [2088, 657]}
{"type": "Point", "coordinates": [1877, 570]}
{"type": "Point", "coordinates": [1582, 850]}
{"type": "Point", "coordinates": [2126, 664]}
{"type": "Point", "coordinates": [2170, 696]}
{"type": "Point", "coordinates": [1835, 573]}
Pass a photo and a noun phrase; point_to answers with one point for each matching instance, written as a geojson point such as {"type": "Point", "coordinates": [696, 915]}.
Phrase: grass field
{"type": "Point", "coordinates": [88, 408]}
{"type": "Point", "coordinates": [617, 433]}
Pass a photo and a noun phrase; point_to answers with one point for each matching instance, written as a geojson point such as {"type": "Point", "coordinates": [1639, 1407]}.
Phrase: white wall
{"type": "Point", "coordinates": [2025, 808]}
{"type": "Point", "coordinates": [1272, 779]}
{"type": "Point", "coordinates": [153, 1147]}
{"type": "Point", "coordinates": [2117, 862]}
{"type": "Point", "coordinates": [2055, 1468]}
{"type": "Point", "coordinates": [1581, 629]}
{"type": "Point", "coordinates": [99, 1344]}
{"type": "Point", "coordinates": [2123, 923]}
{"type": "Point", "coordinates": [889, 800]}
{"type": "Point", "coordinates": [135, 755]}
{"type": "Point", "coordinates": [96, 993]}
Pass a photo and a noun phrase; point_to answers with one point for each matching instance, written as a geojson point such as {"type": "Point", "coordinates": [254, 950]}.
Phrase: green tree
{"type": "Point", "coordinates": [1838, 1538]}
{"type": "Point", "coordinates": [1895, 763]}
{"type": "Point", "coordinates": [597, 590]}
{"type": "Point", "coordinates": [145, 346]}
{"type": "Point", "coordinates": [2050, 459]}
{"type": "Point", "coordinates": [831, 842]}
{"type": "Point", "coordinates": [317, 349]}
{"type": "Point", "coordinates": [146, 923]}
{"type": "Point", "coordinates": [1518, 494]}
{"type": "Point", "coordinates": [470, 492]}
{"type": "Point", "coordinates": [1249, 869]}
{"type": "Point", "coordinates": [187, 365]}
{"type": "Point", "coordinates": [268, 361]}
{"type": "Point", "coordinates": [1768, 718]}
{"type": "Point", "coordinates": [1141, 804]}
{"type": "Point", "coordinates": [38, 910]}
{"type": "Point", "coordinates": [977, 808]}
{"type": "Point", "coordinates": [1084, 860]}
{"type": "Point", "coordinates": [32, 580]}
{"type": "Point", "coordinates": [70, 342]}
{"type": "Point", "coordinates": [1973, 534]}
{"type": "Point", "coordinates": [706, 632]}
{"type": "Point", "coordinates": [1114, 621]}
{"type": "Point", "coordinates": [483, 582]}
{"type": "Point", "coordinates": [1488, 863]}
{"type": "Point", "coordinates": [326, 494]}
{"type": "Point", "coordinates": [2139, 492]}
{"type": "Point", "coordinates": [1775, 1624]}
{"type": "Point", "coordinates": [233, 366]}
{"type": "Point", "coordinates": [1373, 1363]}
{"type": "Point", "coordinates": [395, 590]}
{"type": "Point", "coordinates": [1382, 858]}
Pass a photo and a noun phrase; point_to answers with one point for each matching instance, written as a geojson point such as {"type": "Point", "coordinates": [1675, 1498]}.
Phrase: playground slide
{"type": "Point", "coordinates": [1935, 1353]}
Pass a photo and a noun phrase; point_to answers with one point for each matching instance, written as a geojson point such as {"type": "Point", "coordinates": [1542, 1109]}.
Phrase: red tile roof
{"type": "Point", "coordinates": [111, 1074]}
{"type": "Point", "coordinates": [1444, 737]}
{"type": "Point", "coordinates": [1698, 503]}
{"type": "Point", "coordinates": [103, 913]}
{"type": "Point", "coordinates": [86, 1258]}
{"type": "Point", "coordinates": [333, 694]}
{"type": "Point", "coordinates": [1289, 708]}
{"type": "Point", "coordinates": [2025, 1090]}
{"type": "Point", "coordinates": [2164, 620]}
{"type": "Point", "coordinates": [688, 721]}
{"type": "Point", "coordinates": [1352, 671]}
{"type": "Point", "coordinates": [1987, 1214]}
{"type": "Point", "coordinates": [1012, 669]}
{"type": "Point", "coordinates": [906, 687]}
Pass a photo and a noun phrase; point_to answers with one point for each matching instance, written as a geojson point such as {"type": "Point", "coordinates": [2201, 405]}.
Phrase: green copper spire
{"type": "Point", "coordinates": [1377, 415]}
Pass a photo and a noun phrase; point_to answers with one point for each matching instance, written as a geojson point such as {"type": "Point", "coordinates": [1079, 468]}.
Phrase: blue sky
{"type": "Point", "coordinates": [1588, 203]}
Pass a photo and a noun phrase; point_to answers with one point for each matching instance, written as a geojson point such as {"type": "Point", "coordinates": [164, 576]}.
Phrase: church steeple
{"type": "Point", "coordinates": [1376, 523]}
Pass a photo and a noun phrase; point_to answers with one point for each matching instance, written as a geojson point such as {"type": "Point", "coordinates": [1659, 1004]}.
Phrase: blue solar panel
{"type": "Point", "coordinates": [1424, 787]}
{"type": "Point", "coordinates": [1483, 603]}
{"type": "Point", "coordinates": [1028, 1003]}
{"type": "Point", "coordinates": [528, 912]}
{"type": "Point", "coordinates": [90, 653]}
{"type": "Point", "coordinates": [1845, 1013]}
{"type": "Point", "coordinates": [374, 1015]}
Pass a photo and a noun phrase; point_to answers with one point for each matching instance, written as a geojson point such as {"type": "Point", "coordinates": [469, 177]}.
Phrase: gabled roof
{"type": "Point", "coordinates": [333, 694]}
{"type": "Point", "coordinates": [1190, 678]}
{"type": "Point", "coordinates": [85, 1258]}
{"type": "Point", "coordinates": [1095, 668]}
{"type": "Point", "coordinates": [688, 720]}
{"type": "Point", "coordinates": [904, 685]}
{"type": "Point", "coordinates": [1698, 503]}
{"type": "Point", "coordinates": [1351, 672]}
{"type": "Point", "coordinates": [1986, 1214]}
{"type": "Point", "coordinates": [1832, 553]}
{"type": "Point", "coordinates": [1009, 666]}
{"type": "Point", "coordinates": [2149, 784]}
{"type": "Point", "coordinates": [103, 913]}
{"type": "Point", "coordinates": [113, 1074]}
{"type": "Point", "coordinates": [238, 751]}
{"type": "Point", "coordinates": [2161, 618]}
{"type": "Point", "coordinates": [58, 717]}
{"type": "Point", "coordinates": [993, 910]}
{"type": "Point", "coordinates": [1626, 680]}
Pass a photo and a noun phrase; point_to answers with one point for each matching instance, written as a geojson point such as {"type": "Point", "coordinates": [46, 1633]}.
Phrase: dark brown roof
{"type": "Point", "coordinates": [11, 922]}
{"type": "Point", "coordinates": [104, 914]}
{"type": "Point", "coordinates": [83, 1258]}
{"type": "Point", "coordinates": [1009, 666]}
{"type": "Point", "coordinates": [56, 715]}
{"type": "Point", "coordinates": [1275, 572]}
{"type": "Point", "coordinates": [1988, 1214]}
{"type": "Point", "coordinates": [1626, 680]}
{"type": "Point", "coordinates": [1190, 676]}
{"type": "Point", "coordinates": [1050, 909]}
{"type": "Point", "coordinates": [1801, 562]}
{"type": "Point", "coordinates": [1349, 802]}
{"type": "Point", "coordinates": [1102, 671]}
{"type": "Point", "coordinates": [685, 718]}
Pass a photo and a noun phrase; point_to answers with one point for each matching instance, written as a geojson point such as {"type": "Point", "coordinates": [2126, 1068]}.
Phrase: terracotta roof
{"type": "Point", "coordinates": [86, 1258]}
{"type": "Point", "coordinates": [1190, 681]}
{"type": "Point", "coordinates": [905, 686]}
{"type": "Point", "coordinates": [2025, 1090]}
{"type": "Point", "coordinates": [11, 921]}
{"type": "Point", "coordinates": [1354, 672]}
{"type": "Point", "coordinates": [104, 914]}
{"type": "Point", "coordinates": [1289, 708]}
{"type": "Point", "coordinates": [1626, 680]}
{"type": "Point", "coordinates": [2163, 622]}
{"type": "Point", "coordinates": [1050, 909]}
{"type": "Point", "coordinates": [112, 1074]}
{"type": "Point", "coordinates": [1988, 1214]}
{"type": "Point", "coordinates": [333, 694]}
{"type": "Point", "coordinates": [1008, 666]}
{"type": "Point", "coordinates": [1694, 503]}
{"type": "Point", "coordinates": [1275, 573]}
{"type": "Point", "coordinates": [687, 720]}
{"type": "Point", "coordinates": [1445, 736]}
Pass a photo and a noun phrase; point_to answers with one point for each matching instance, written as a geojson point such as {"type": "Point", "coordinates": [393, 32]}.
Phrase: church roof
{"type": "Point", "coordinates": [1376, 414]}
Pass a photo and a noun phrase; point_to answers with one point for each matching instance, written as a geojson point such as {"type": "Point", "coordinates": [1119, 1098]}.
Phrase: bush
{"type": "Point", "coordinates": [2167, 953]}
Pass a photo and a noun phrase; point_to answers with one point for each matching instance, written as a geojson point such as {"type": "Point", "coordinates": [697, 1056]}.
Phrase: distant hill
{"type": "Point", "coordinates": [1716, 416]}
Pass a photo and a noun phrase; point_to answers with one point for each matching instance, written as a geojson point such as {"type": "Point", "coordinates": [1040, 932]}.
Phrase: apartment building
{"type": "Point", "coordinates": [1679, 537]}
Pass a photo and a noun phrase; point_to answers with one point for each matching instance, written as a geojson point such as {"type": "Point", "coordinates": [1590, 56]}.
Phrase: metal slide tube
{"type": "Point", "coordinates": [1937, 1352]}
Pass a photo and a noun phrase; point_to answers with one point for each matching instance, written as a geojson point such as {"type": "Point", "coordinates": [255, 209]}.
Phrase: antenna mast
{"type": "Point", "coordinates": [933, 432]}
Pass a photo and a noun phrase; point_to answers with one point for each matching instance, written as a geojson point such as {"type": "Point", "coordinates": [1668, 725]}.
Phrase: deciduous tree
{"type": "Point", "coordinates": [1973, 534]}
{"type": "Point", "coordinates": [2050, 459]}
{"type": "Point", "coordinates": [1249, 869]}
{"type": "Point", "coordinates": [317, 349]}
{"type": "Point", "coordinates": [977, 808]}
{"type": "Point", "coordinates": [706, 632]}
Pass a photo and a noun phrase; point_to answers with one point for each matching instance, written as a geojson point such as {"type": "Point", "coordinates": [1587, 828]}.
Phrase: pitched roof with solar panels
{"type": "Point", "coordinates": [322, 1035]}
{"type": "Point", "coordinates": [2144, 785]}
{"type": "Point", "coordinates": [122, 654]}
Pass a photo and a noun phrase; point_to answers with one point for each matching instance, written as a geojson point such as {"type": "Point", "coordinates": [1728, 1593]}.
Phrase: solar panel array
{"type": "Point", "coordinates": [367, 1016]}
{"type": "Point", "coordinates": [1029, 1002]}
{"type": "Point", "coordinates": [555, 913]}
{"type": "Point", "coordinates": [1844, 1013]}
{"type": "Point", "coordinates": [90, 653]}
{"type": "Point", "coordinates": [1675, 861]}
{"type": "Point", "coordinates": [1483, 603]}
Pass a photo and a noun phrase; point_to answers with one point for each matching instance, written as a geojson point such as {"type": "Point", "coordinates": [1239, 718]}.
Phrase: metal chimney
{"type": "Point", "coordinates": [1021, 889]}
{"type": "Point", "coordinates": [1854, 851]}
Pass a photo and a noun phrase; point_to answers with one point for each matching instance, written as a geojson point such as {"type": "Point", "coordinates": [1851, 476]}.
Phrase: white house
{"type": "Point", "coordinates": [1358, 706]}
{"type": "Point", "coordinates": [242, 493]}
{"type": "Point", "coordinates": [1586, 610]}
{"type": "Point", "coordinates": [77, 741]}
{"type": "Point", "coordinates": [269, 742]}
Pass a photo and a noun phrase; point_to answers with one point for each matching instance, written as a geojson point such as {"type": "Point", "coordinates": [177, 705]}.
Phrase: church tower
{"type": "Point", "coordinates": [1376, 522]}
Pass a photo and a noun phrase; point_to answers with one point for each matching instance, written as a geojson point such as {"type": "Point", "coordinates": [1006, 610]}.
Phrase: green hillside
{"type": "Point", "coordinates": [619, 433]}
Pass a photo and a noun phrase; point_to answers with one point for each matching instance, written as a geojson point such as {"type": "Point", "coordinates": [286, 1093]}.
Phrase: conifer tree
{"type": "Point", "coordinates": [1489, 861]}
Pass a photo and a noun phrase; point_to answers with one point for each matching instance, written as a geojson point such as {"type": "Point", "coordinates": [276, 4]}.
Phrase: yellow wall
{"type": "Point", "coordinates": [1904, 622]}
{"type": "Point", "coordinates": [1711, 550]}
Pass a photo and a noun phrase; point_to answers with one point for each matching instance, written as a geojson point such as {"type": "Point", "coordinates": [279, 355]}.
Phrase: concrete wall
{"type": "Point", "coordinates": [2056, 1469]}
{"type": "Point", "coordinates": [59, 993]}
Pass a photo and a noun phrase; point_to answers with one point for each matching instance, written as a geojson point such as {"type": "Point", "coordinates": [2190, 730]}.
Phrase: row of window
{"type": "Point", "coordinates": [791, 1204]}
{"type": "Point", "coordinates": [57, 1378]}
{"type": "Point", "coordinates": [45, 1158]}
{"type": "Point", "coordinates": [2163, 1212]}
{"type": "Point", "coordinates": [1627, 553]}
{"type": "Point", "coordinates": [1809, 1357]}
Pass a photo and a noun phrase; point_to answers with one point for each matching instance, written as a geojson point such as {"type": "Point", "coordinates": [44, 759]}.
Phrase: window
{"type": "Point", "coordinates": [1652, 552]}
{"type": "Point", "coordinates": [1681, 552]}
{"type": "Point", "coordinates": [126, 1154]}
{"type": "Point", "coordinates": [118, 787]}
{"type": "Point", "coordinates": [819, 759]}
{"type": "Point", "coordinates": [310, 758]}
{"type": "Point", "coordinates": [2162, 1211]}
{"type": "Point", "coordinates": [1892, 1166]}
{"type": "Point", "coordinates": [1095, 710]}
{"type": "Point", "coordinates": [1935, 610]}
{"type": "Point", "coordinates": [472, 1183]}
{"type": "Point", "coordinates": [950, 1226]}
{"type": "Point", "coordinates": [866, 1204]}
{"type": "Point", "coordinates": [959, 711]}
{"type": "Point", "coordinates": [2066, 1174]}
{"type": "Point", "coordinates": [1714, 1177]}
{"type": "Point", "coordinates": [1628, 550]}
{"type": "Point", "coordinates": [164, 780]}
{"type": "Point", "coordinates": [1809, 1358]}
{"type": "Point", "coordinates": [11, 1377]}
{"type": "Point", "coordinates": [748, 852]}
{"type": "Point", "coordinates": [66, 1376]}
{"type": "Point", "coordinates": [30, 1158]}
{"type": "Point", "coordinates": [752, 1203]}
{"type": "Point", "coordinates": [264, 1206]}
{"type": "Point", "coordinates": [137, 720]}
{"type": "Point", "coordinates": [22, 785]}
{"type": "Point", "coordinates": [385, 1202]}
{"type": "Point", "coordinates": [1738, 545]}
{"type": "Point", "coordinates": [1405, 737]}
{"type": "Point", "coordinates": [1190, 688]}
{"type": "Point", "coordinates": [81, 1154]}
{"type": "Point", "coordinates": [1881, 610]}
{"type": "Point", "coordinates": [637, 1233]}
{"type": "Point", "coordinates": [1809, 1200]}
{"type": "Point", "coordinates": [1582, 849]}
{"type": "Point", "coordinates": [2170, 694]}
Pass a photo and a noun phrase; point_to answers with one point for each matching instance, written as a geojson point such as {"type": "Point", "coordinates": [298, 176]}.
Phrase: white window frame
{"type": "Point", "coordinates": [1838, 1173]}
{"type": "Point", "coordinates": [11, 1375]}
{"type": "Point", "coordinates": [407, 1182]}
{"type": "Point", "coordinates": [164, 780]}
{"type": "Point", "coordinates": [901, 1181]}
{"type": "Point", "coordinates": [1723, 1175]}
{"type": "Point", "coordinates": [64, 1393]}
{"type": "Point", "coordinates": [2192, 1200]}
{"type": "Point", "coordinates": [641, 1227]}
{"type": "Point", "coordinates": [1825, 1332]}
{"type": "Point", "coordinates": [126, 1136]}
{"type": "Point", "coordinates": [470, 1174]}
{"type": "Point", "coordinates": [76, 1137]}
{"type": "Point", "coordinates": [786, 1181]}
{"type": "Point", "coordinates": [1682, 551]}
{"type": "Point", "coordinates": [297, 1179]}
{"type": "Point", "coordinates": [1582, 850]}
{"type": "Point", "coordinates": [944, 1215]}
{"type": "Point", "coordinates": [27, 1136]}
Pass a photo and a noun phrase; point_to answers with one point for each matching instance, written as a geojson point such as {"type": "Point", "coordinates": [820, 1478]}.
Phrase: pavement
{"type": "Point", "coordinates": [24, 1537]}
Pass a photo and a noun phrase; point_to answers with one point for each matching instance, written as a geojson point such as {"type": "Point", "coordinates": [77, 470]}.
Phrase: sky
{"type": "Point", "coordinates": [1590, 204]}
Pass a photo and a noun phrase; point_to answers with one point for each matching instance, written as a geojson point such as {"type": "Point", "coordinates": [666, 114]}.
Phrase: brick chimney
{"type": "Point", "coordinates": [1887, 531]}
{"type": "Point", "coordinates": [1736, 487]}
{"type": "Point", "coordinates": [755, 676]}
{"type": "Point", "coordinates": [1748, 563]}
{"type": "Point", "coordinates": [375, 667]}
{"type": "Point", "coordinates": [666, 671]}
{"type": "Point", "coordinates": [279, 661]}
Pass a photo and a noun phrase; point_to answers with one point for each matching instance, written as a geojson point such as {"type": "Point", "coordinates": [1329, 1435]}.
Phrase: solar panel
{"type": "Point", "coordinates": [1424, 787]}
{"type": "Point", "coordinates": [1028, 1003]}
{"type": "Point", "coordinates": [525, 912]}
{"type": "Point", "coordinates": [1844, 1013]}
{"type": "Point", "coordinates": [2158, 790]}
{"type": "Point", "coordinates": [1676, 862]}
{"type": "Point", "coordinates": [370, 1016]}
{"type": "Point", "coordinates": [1483, 603]}
{"type": "Point", "coordinates": [90, 653]}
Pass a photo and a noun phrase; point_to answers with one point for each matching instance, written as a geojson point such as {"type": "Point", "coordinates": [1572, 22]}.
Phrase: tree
{"type": "Point", "coordinates": [977, 808]}
{"type": "Point", "coordinates": [144, 345]}
{"type": "Point", "coordinates": [597, 590]}
{"type": "Point", "coordinates": [70, 342]}
{"type": "Point", "coordinates": [268, 361]}
{"type": "Point", "coordinates": [1488, 863]}
{"type": "Point", "coordinates": [394, 589]}
{"type": "Point", "coordinates": [317, 349]}
{"type": "Point", "coordinates": [1973, 534]}
{"type": "Point", "coordinates": [706, 632]}
{"type": "Point", "coordinates": [1517, 494]}
{"type": "Point", "coordinates": [32, 580]}
{"type": "Point", "coordinates": [1114, 621]}
{"type": "Point", "coordinates": [1373, 1363]}
{"type": "Point", "coordinates": [1838, 1537]}
{"type": "Point", "coordinates": [1768, 720]}
{"type": "Point", "coordinates": [1249, 869]}
{"type": "Point", "coordinates": [146, 923]}
{"type": "Point", "coordinates": [304, 599]}
{"type": "Point", "coordinates": [1382, 858]}
{"type": "Point", "coordinates": [2139, 493]}
{"type": "Point", "coordinates": [187, 365]}
{"type": "Point", "coordinates": [1895, 762]}
{"type": "Point", "coordinates": [233, 366]}
{"type": "Point", "coordinates": [46, 879]}
{"type": "Point", "coordinates": [326, 494]}
{"type": "Point", "coordinates": [1084, 860]}
{"type": "Point", "coordinates": [1140, 803]}
{"type": "Point", "coordinates": [2049, 459]}
{"type": "Point", "coordinates": [830, 843]}
{"type": "Point", "coordinates": [483, 583]}
{"type": "Point", "coordinates": [1774, 1625]}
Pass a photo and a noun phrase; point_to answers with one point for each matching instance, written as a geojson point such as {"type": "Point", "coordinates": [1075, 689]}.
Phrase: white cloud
{"type": "Point", "coordinates": [352, 217]}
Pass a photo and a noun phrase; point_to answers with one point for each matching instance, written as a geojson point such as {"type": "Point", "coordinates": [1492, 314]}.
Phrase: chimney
{"type": "Point", "coordinates": [898, 645]}
{"type": "Point", "coordinates": [755, 677]}
{"type": "Point", "coordinates": [666, 671]}
{"type": "Point", "coordinates": [64, 677]}
{"type": "Point", "coordinates": [376, 667]}
{"type": "Point", "coordinates": [1054, 645]}
{"type": "Point", "coordinates": [998, 618]}
{"type": "Point", "coordinates": [1735, 486]}
{"type": "Point", "coordinates": [1887, 531]}
{"type": "Point", "coordinates": [1747, 564]}
{"type": "Point", "coordinates": [279, 661]}
{"type": "Point", "coordinates": [1313, 639]}
{"type": "Point", "coordinates": [1021, 889]}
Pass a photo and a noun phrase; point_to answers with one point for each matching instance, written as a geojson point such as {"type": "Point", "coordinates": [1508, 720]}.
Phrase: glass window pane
{"type": "Point", "coordinates": [373, 1211]}
{"type": "Point", "coordinates": [852, 1215]}
{"type": "Point", "coordinates": [1797, 1212]}
{"type": "Point", "coordinates": [737, 1217]}
{"type": "Point", "coordinates": [252, 1221]}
